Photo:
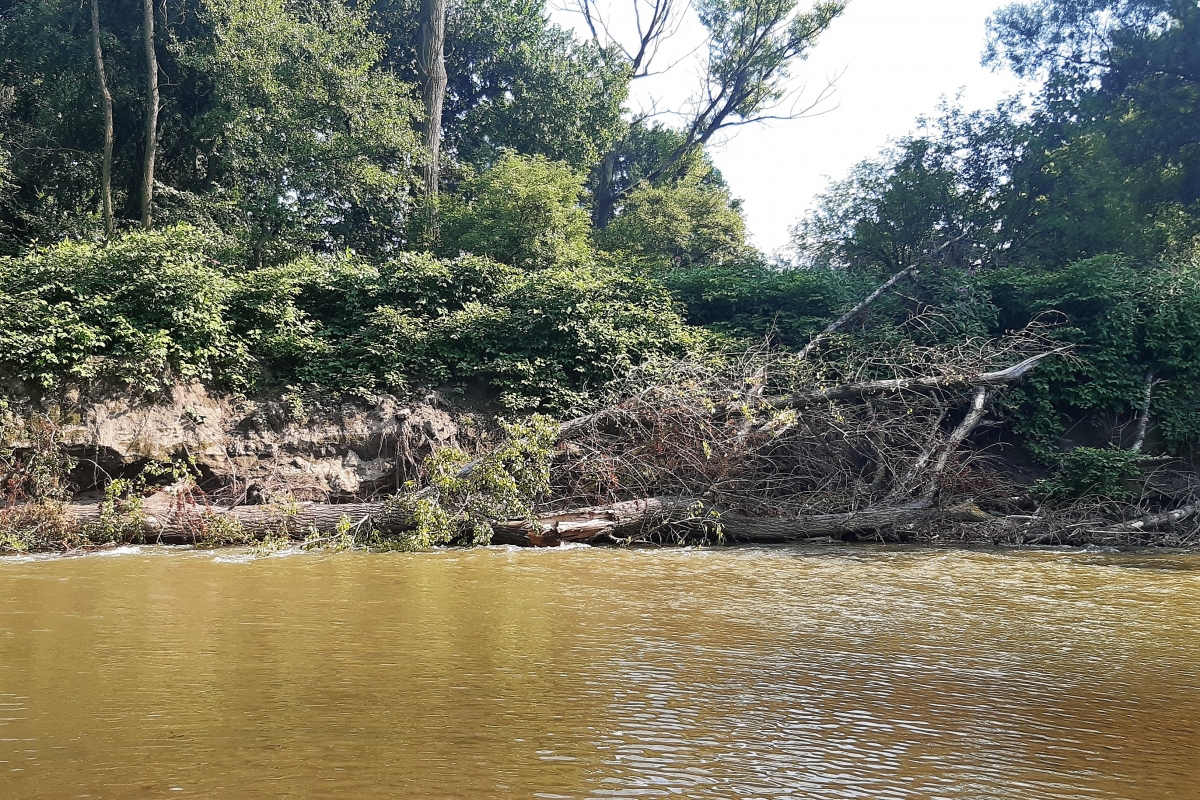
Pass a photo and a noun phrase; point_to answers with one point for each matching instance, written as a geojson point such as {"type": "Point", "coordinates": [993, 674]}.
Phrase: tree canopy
{"type": "Point", "coordinates": [294, 239]}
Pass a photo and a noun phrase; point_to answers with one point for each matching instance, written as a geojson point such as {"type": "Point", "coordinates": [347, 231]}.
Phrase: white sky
{"type": "Point", "coordinates": [896, 59]}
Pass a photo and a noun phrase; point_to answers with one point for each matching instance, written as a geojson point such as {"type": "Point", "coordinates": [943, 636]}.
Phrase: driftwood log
{"type": "Point", "coordinates": [160, 520]}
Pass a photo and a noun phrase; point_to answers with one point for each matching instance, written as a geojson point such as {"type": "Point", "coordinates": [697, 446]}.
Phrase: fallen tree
{"type": "Point", "coordinates": [742, 449]}
{"type": "Point", "coordinates": [757, 447]}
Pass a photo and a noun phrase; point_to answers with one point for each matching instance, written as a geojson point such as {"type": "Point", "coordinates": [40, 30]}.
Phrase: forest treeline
{"type": "Point", "coordinates": [249, 193]}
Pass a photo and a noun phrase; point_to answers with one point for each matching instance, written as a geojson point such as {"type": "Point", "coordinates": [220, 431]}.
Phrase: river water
{"type": "Point", "coordinates": [750, 673]}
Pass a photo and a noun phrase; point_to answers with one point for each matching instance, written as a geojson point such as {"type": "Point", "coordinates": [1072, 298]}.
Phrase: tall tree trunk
{"type": "Point", "coordinates": [106, 99]}
{"type": "Point", "coordinates": [604, 203]}
{"type": "Point", "coordinates": [151, 113]}
{"type": "Point", "coordinates": [431, 65]}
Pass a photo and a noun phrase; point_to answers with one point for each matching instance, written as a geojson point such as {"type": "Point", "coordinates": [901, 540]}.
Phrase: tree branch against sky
{"type": "Point", "coordinates": [893, 62]}
{"type": "Point", "coordinates": [649, 25]}
{"type": "Point", "coordinates": [751, 48]}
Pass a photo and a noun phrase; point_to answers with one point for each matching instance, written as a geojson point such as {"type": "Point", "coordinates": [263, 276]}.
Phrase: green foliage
{"type": "Point", "coordinates": [1083, 206]}
{"type": "Point", "coordinates": [277, 123]}
{"type": "Point", "coordinates": [312, 143]}
{"type": "Point", "coordinates": [681, 224]}
{"type": "Point", "coordinates": [143, 310]}
{"type": "Point", "coordinates": [549, 337]}
{"type": "Point", "coordinates": [1092, 472]}
{"type": "Point", "coordinates": [1099, 298]}
{"type": "Point", "coordinates": [516, 81]}
{"type": "Point", "coordinates": [885, 214]}
{"type": "Point", "coordinates": [463, 498]}
{"type": "Point", "coordinates": [154, 307]}
{"type": "Point", "coordinates": [751, 299]}
{"type": "Point", "coordinates": [1124, 322]}
{"type": "Point", "coordinates": [545, 339]}
{"type": "Point", "coordinates": [753, 45]}
{"type": "Point", "coordinates": [524, 211]}
{"type": "Point", "coordinates": [1169, 341]}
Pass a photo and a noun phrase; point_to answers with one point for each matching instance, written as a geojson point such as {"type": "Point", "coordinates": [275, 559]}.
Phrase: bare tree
{"type": "Point", "coordinates": [106, 100]}
{"type": "Point", "coordinates": [655, 21]}
{"type": "Point", "coordinates": [431, 66]}
{"type": "Point", "coordinates": [152, 102]}
{"type": "Point", "coordinates": [752, 47]}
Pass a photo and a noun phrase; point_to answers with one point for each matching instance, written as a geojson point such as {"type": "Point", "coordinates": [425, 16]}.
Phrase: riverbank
{"type": "Point", "coordinates": [752, 449]}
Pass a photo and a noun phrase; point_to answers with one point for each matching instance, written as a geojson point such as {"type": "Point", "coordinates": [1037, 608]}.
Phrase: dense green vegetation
{"type": "Point", "coordinates": [290, 239]}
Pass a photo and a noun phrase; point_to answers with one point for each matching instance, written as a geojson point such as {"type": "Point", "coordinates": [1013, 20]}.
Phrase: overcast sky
{"type": "Point", "coordinates": [896, 59]}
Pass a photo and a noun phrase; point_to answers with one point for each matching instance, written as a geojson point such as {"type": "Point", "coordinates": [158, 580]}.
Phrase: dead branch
{"type": "Point", "coordinates": [945, 382]}
{"type": "Point", "coordinates": [883, 289]}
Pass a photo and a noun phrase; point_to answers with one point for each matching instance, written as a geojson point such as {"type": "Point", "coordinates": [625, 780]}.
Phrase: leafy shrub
{"type": "Point", "coordinates": [503, 484]}
{"type": "Point", "coordinates": [152, 307]}
{"type": "Point", "coordinates": [524, 211]}
{"type": "Point", "coordinates": [148, 304]}
{"type": "Point", "coordinates": [1092, 472]}
{"type": "Point", "coordinates": [749, 298]}
{"type": "Point", "coordinates": [544, 339]}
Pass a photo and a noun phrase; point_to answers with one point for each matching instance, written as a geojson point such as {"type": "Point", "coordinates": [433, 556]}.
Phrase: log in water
{"type": "Point", "coordinates": [754, 673]}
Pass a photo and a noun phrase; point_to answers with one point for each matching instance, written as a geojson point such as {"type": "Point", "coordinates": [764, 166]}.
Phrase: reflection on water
{"type": "Point", "coordinates": [784, 673]}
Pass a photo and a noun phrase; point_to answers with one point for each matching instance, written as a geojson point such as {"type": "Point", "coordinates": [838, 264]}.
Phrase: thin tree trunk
{"type": "Point", "coordinates": [151, 113]}
{"type": "Point", "coordinates": [970, 422]}
{"type": "Point", "coordinates": [854, 312]}
{"type": "Point", "coordinates": [431, 66]}
{"type": "Point", "coordinates": [106, 99]}
{"type": "Point", "coordinates": [1144, 418]}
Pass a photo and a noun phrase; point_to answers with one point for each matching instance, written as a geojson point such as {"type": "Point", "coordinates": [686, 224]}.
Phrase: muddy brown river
{"type": "Point", "coordinates": [580, 673]}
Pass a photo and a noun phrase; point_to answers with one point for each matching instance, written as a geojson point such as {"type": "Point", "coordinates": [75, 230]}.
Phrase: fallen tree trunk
{"type": "Point", "coordinates": [630, 521]}
{"type": "Point", "coordinates": [1155, 522]}
{"type": "Point", "coordinates": [159, 522]}
{"type": "Point", "coordinates": [932, 383]}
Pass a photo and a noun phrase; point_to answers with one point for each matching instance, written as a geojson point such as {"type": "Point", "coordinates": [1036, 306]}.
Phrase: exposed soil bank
{"type": "Point", "coordinates": [710, 459]}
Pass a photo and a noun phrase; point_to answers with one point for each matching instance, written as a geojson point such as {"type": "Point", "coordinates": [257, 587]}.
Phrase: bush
{"type": "Point", "coordinates": [1092, 472]}
{"type": "Point", "coordinates": [142, 310]}
{"type": "Point", "coordinates": [546, 339]}
{"type": "Point", "coordinates": [751, 299]}
{"type": "Point", "coordinates": [158, 306]}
